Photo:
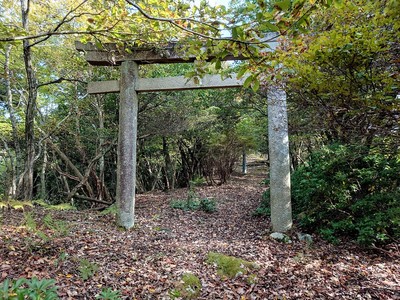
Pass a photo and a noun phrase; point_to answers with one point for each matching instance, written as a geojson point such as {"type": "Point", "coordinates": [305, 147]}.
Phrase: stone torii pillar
{"type": "Point", "coordinates": [279, 161]}
{"type": "Point", "coordinates": [127, 140]}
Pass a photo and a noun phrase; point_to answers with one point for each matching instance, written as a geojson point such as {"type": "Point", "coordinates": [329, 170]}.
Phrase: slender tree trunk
{"type": "Point", "coordinates": [100, 113]}
{"type": "Point", "coordinates": [43, 191]}
{"type": "Point", "coordinates": [10, 186]}
{"type": "Point", "coordinates": [27, 183]}
{"type": "Point", "coordinates": [168, 167]}
{"type": "Point", "coordinates": [10, 106]}
{"type": "Point", "coordinates": [78, 140]}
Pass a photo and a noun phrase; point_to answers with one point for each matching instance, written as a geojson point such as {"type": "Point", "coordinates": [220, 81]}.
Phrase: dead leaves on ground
{"type": "Point", "coordinates": [148, 262]}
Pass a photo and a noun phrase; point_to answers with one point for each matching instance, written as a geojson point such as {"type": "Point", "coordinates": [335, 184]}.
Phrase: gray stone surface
{"type": "Point", "coordinates": [126, 172]}
{"type": "Point", "coordinates": [280, 237]}
{"type": "Point", "coordinates": [281, 208]}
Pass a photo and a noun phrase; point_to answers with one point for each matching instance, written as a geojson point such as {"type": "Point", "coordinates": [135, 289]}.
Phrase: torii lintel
{"type": "Point", "coordinates": [110, 54]}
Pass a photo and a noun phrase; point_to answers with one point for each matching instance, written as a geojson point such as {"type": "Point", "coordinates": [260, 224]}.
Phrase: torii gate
{"type": "Point", "coordinates": [131, 84]}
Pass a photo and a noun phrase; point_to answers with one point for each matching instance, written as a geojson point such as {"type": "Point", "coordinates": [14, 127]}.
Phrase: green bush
{"type": "Point", "coordinates": [207, 205]}
{"type": "Point", "coordinates": [193, 201]}
{"type": "Point", "coordinates": [204, 204]}
{"type": "Point", "coordinates": [28, 289]}
{"type": "Point", "coordinates": [185, 204]}
{"type": "Point", "coordinates": [112, 210]}
{"type": "Point", "coordinates": [264, 209]}
{"type": "Point", "coordinates": [349, 191]}
{"type": "Point", "coordinates": [61, 206]}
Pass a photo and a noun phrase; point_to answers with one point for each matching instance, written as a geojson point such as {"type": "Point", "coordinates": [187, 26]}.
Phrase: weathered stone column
{"type": "Point", "coordinates": [127, 134]}
{"type": "Point", "coordinates": [281, 207]}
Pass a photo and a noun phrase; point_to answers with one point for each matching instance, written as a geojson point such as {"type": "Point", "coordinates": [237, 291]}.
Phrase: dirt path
{"type": "Point", "coordinates": [148, 261]}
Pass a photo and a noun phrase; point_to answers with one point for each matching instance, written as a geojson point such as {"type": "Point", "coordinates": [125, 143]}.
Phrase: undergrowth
{"type": "Point", "coordinates": [347, 192]}
{"type": "Point", "coordinates": [43, 232]}
{"type": "Point", "coordinates": [194, 201]}
{"type": "Point", "coordinates": [109, 294]}
{"type": "Point", "coordinates": [33, 288]}
{"type": "Point", "coordinates": [87, 269]}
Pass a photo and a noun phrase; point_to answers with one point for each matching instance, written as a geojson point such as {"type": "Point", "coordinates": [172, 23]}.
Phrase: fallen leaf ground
{"type": "Point", "coordinates": [148, 261]}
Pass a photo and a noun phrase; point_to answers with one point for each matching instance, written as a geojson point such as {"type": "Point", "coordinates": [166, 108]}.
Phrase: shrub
{"type": "Point", "coordinates": [15, 204]}
{"type": "Point", "coordinates": [61, 206]}
{"type": "Point", "coordinates": [87, 269]}
{"type": "Point", "coordinates": [28, 289]}
{"type": "Point", "coordinates": [264, 209]}
{"type": "Point", "coordinates": [207, 205]}
{"type": "Point", "coordinates": [184, 204]}
{"type": "Point", "coordinates": [204, 204]}
{"type": "Point", "coordinates": [194, 202]}
{"type": "Point", "coordinates": [348, 191]}
{"type": "Point", "coordinates": [59, 228]}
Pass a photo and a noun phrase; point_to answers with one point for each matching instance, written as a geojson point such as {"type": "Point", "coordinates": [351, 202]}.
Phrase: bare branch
{"type": "Point", "coordinates": [59, 80]}
{"type": "Point", "coordinates": [59, 33]}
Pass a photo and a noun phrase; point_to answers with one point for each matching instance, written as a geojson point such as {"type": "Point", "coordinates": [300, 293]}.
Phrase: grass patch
{"type": "Point", "coordinates": [15, 204]}
{"type": "Point", "coordinates": [61, 206]}
{"type": "Point", "coordinates": [112, 210]}
{"type": "Point", "coordinates": [189, 287]}
{"type": "Point", "coordinates": [230, 266]}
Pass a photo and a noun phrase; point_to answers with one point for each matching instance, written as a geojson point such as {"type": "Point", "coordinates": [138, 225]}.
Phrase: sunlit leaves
{"type": "Point", "coordinates": [344, 70]}
{"type": "Point", "coordinates": [283, 5]}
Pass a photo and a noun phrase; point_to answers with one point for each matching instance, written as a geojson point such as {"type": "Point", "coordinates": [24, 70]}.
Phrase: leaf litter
{"type": "Point", "coordinates": [148, 261]}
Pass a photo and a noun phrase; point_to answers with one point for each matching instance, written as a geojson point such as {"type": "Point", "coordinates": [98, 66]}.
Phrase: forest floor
{"type": "Point", "coordinates": [148, 261]}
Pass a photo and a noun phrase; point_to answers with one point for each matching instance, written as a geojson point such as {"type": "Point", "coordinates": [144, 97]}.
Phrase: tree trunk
{"type": "Point", "coordinates": [15, 159]}
{"type": "Point", "coordinates": [69, 164]}
{"type": "Point", "coordinates": [100, 113]}
{"type": "Point", "coordinates": [27, 183]}
{"type": "Point", "coordinates": [168, 167]}
{"type": "Point", "coordinates": [9, 188]}
{"type": "Point", "coordinates": [43, 192]}
{"type": "Point", "coordinates": [281, 208]}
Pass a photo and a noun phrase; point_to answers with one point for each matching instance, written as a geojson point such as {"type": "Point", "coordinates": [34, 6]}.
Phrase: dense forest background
{"type": "Point", "coordinates": [339, 64]}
